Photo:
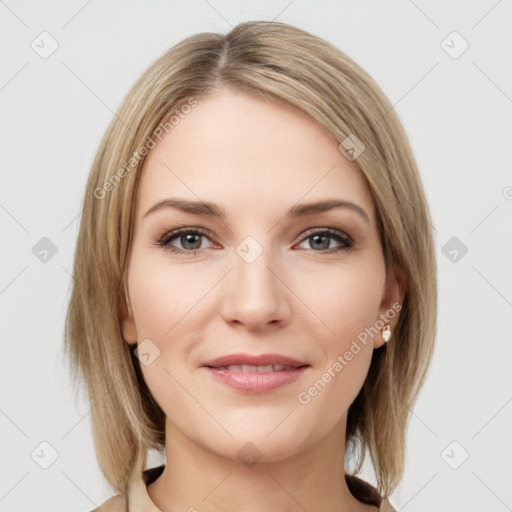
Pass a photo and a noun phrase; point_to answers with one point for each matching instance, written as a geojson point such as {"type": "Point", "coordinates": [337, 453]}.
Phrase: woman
{"type": "Point", "coordinates": [255, 285]}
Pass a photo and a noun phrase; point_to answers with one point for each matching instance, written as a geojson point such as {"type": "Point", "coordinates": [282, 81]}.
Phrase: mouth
{"type": "Point", "coordinates": [246, 368]}
{"type": "Point", "coordinates": [255, 374]}
{"type": "Point", "coordinates": [248, 362]}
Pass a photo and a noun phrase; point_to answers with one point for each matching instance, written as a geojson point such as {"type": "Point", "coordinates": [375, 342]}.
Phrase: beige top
{"type": "Point", "coordinates": [137, 498]}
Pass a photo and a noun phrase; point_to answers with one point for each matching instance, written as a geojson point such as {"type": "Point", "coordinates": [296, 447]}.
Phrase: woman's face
{"type": "Point", "coordinates": [262, 275]}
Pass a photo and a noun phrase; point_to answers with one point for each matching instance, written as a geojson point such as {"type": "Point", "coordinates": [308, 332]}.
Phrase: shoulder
{"type": "Point", "coordinates": [116, 503]}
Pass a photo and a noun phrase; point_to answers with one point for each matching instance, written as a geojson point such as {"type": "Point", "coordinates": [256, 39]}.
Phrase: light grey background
{"type": "Point", "coordinates": [458, 115]}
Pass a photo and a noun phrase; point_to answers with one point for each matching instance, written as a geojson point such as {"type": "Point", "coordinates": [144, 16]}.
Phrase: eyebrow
{"type": "Point", "coordinates": [213, 210]}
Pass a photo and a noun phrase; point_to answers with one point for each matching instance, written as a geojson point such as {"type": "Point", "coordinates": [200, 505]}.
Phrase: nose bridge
{"type": "Point", "coordinates": [255, 295]}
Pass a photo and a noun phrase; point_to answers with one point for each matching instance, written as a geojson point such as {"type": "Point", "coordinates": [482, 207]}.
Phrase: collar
{"type": "Point", "coordinates": [139, 500]}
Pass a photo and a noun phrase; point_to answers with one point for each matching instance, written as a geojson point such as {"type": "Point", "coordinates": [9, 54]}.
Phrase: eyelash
{"type": "Point", "coordinates": [167, 238]}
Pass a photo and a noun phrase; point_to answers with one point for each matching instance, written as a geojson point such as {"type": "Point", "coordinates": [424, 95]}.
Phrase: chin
{"type": "Point", "coordinates": [252, 446]}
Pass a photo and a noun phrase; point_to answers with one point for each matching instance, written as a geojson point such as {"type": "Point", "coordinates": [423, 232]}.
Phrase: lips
{"type": "Point", "coordinates": [247, 368]}
{"type": "Point", "coordinates": [255, 374]}
{"type": "Point", "coordinates": [249, 360]}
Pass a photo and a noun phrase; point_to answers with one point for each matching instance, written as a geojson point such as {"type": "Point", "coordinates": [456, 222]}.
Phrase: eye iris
{"type": "Point", "coordinates": [320, 244]}
{"type": "Point", "coordinates": [189, 239]}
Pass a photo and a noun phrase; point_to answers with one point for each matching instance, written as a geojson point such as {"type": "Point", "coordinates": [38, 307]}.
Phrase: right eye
{"type": "Point", "coordinates": [190, 240]}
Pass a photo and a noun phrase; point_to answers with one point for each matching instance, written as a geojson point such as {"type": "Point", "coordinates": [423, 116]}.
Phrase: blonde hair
{"type": "Point", "coordinates": [283, 63]}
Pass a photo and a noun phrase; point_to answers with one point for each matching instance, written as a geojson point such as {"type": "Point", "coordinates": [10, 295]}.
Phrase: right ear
{"type": "Point", "coordinates": [127, 322]}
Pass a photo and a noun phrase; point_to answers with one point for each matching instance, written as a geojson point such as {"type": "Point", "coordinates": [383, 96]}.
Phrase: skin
{"type": "Point", "coordinates": [256, 159]}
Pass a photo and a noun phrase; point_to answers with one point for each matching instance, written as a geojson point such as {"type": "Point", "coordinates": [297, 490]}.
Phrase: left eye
{"type": "Point", "coordinates": [322, 240]}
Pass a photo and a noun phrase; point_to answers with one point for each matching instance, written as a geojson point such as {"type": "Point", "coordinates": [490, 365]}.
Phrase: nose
{"type": "Point", "coordinates": [255, 294]}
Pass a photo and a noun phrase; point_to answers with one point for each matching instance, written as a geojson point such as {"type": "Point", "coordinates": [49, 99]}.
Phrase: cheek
{"type": "Point", "coordinates": [344, 299]}
{"type": "Point", "coordinates": [164, 297]}
{"type": "Point", "coordinates": [168, 311]}
{"type": "Point", "coordinates": [162, 301]}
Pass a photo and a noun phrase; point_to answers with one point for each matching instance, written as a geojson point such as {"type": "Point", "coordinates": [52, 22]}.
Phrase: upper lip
{"type": "Point", "coordinates": [254, 360]}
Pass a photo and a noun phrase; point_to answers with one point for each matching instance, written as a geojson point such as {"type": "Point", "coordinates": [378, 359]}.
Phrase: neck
{"type": "Point", "coordinates": [194, 478]}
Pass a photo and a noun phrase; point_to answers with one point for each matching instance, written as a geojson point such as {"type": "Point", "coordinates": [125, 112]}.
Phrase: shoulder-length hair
{"type": "Point", "coordinates": [278, 62]}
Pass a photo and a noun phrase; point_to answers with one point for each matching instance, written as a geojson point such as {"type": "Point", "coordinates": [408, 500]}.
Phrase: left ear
{"type": "Point", "coordinates": [392, 302]}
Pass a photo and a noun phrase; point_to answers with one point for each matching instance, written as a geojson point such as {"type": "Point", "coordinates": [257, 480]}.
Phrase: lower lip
{"type": "Point", "coordinates": [256, 382]}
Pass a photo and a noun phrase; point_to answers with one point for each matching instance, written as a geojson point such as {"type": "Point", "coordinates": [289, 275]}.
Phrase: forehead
{"type": "Point", "coordinates": [242, 151]}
